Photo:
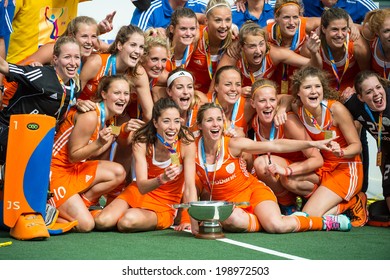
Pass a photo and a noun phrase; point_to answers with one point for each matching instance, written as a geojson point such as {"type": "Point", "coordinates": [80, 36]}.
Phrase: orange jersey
{"type": "Point", "coordinates": [284, 71]}
{"type": "Point", "coordinates": [228, 179]}
{"type": "Point", "coordinates": [346, 79]}
{"type": "Point", "coordinates": [238, 116]}
{"type": "Point", "coordinates": [69, 178]}
{"type": "Point", "coordinates": [266, 70]}
{"type": "Point", "coordinates": [279, 134]}
{"type": "Point", "coordinates": [344, 176]}
{"type": "Point", "coordinates": [378, 65]}
{"type": "Point", "coordinates": [106, 69]}
{"type": "Point", "coordinates": [172, 62]}
{"type": "Point", "coordinates": [161, 198]}
{"type": "Point", "coordinates": [198, 64]}
{"type": "Point", "coordinates": [91, 87]}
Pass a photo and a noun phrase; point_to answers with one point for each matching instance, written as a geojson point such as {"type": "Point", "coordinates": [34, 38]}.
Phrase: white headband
{"type": "Point", "coordinates": [178, 75]}
{"type": "Point", "coordinates": [217, 5]}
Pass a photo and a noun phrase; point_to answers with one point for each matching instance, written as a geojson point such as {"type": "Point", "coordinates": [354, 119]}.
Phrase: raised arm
{"type": "Point", "coordinates": [80, 147]}
{"type": "Point", "coordinates": [239, 145]}
{"type": "Point", "coordinates": [90, 69]}
{"type": "Point", "coordinates": [343, 119]}
{"type": "Point", "coordinates": [43, 55]}
{"type": "Point", "coordinates": [294, 129]}
{"type": "Point", "coordinates": [4, 67]}
{"type": "Point", "coordinates": [144, 96]}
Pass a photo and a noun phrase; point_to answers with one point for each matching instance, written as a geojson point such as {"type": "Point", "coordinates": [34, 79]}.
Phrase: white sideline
{"type": "Point", "coordinates": [256, 248]}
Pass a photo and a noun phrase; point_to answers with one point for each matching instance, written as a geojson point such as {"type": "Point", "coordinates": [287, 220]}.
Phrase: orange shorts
{"type": "Point", "coordinates": [343, 178]}
{"type": "Point", "coordinates": [255, 193]}
{"type": "Point", "coordinates": [165, 214]}
{"type": "Point", "coordinates": [65, 183]}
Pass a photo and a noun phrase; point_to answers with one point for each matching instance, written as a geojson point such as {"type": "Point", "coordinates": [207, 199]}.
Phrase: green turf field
{"type": "Point", "coordinates": [366, 243]}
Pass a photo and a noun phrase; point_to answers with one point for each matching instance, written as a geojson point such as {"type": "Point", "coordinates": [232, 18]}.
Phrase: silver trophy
{"type": "Point", "coordinates": [210, 214]}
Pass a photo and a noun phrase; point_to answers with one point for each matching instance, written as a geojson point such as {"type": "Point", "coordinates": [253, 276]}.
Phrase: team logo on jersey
{"type": "Point", "coordinates": [33, 126]}
{"type": "Point", "coordinates": [230, 168]}
{"type": "Point", "coordinates": [87, 178]}
{"type": "Point", "coordinates": [197, 61]}
{"type": "Point", "coordinates": [54, 96]}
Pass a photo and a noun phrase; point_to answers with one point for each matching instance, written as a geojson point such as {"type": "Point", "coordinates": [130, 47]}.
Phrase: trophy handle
{"type": "Point", "coordinates": [181, 205]}
{"type": "Point", "coordinates": [244, 203]}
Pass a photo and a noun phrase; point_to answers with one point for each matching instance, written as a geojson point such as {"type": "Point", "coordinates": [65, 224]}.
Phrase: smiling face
{"type": "Point", "coordinates": [373, 93]}
{"type": "Point", "coordinates": [168, 124]}
{"type": "Point", "coordinates": [288, 20]}
{"type": "Point", "coordinates": [384, 33]}
{"type": "Point", "coordinates": [182, 92]}
{"type": "Point", "coordinates": [311, 92]}
{"type": "Point", "coordinates": [255, 48]}
{"type": "Point", "coordinates": [131, 51]}
{"type": "Point", "coordinates": [87, 37]}
{"type": "Point", "coordinates": [68, 61]}
{"type": "Point", "coordinates": [184, 32]}
{"type": "Point", "coordinates": [219, 22]}
{"type": "Point", "coordinates": [155, 62]}
{"type": "Point", "coordinates": [117, 97]}
{"type": "Point", "coordinates": [265, 102]}
{"type": "Point", "coordinates": [212, 124]}
{"type": "Point", "coordinates": [228, 87]}
{"type": "Point", "coordinates": [336, 33]}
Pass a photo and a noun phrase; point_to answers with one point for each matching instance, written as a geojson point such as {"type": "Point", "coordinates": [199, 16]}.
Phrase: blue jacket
{"type": "Point", "coordinates": [357, 9]}
{"type": "Point", "coordinates": [160, 12]}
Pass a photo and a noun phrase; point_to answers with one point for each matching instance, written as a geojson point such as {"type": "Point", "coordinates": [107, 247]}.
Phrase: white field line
{"type": "Point", "coordinates": [256, 248]}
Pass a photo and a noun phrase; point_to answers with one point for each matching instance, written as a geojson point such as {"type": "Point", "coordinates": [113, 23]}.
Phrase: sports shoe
{"type": "Point", "coordinates": [30, 227]}
{"type": "Point", "coordinates": [358, 214]}
{"type": "Point", "coordinates": [379, 214]}
{"type": "Point", "coordinates": [336, 222]}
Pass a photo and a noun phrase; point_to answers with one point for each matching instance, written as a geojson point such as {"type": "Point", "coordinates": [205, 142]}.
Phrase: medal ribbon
{"type": "Point", "coordinates": [170, 147]}
{"type": "Point", "coordinates": [334, 67]}
{"type": "Point", "coordinates": [379, 125]}
{"type": "Point", "coordinates": [217, 156]}
{"type": "Point", "coordinates": [246, 67]}
{"type": "Point", "coordinates": [71, 99]}
{"type": "Point", "coordinates": [111, 65]}
{"type": "Point", "coordinates": [208, 52]}
{"type": "Point", "coordinates": [234, 113]}
{"type": "Point", "coordinates": [314, 121]}
{"type": "Point", "coordinates": [293, 46]}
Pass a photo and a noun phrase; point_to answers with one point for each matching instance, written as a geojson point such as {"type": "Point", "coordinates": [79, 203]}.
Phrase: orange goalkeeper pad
{"type": "Point", "coordinates": [59, 228]}
{"type": "Point", "coordinates": [30, 226]}
{"type": "Point", "coordinates": [27, 168]}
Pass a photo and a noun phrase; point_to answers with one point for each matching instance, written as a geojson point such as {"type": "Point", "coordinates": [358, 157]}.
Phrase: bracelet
{"type": "Point", "coordinates": [291, 171]}
{"type": "Point", "coordinates": [160, 180]}
{"type": "Point", "coordinates": [341, 153]}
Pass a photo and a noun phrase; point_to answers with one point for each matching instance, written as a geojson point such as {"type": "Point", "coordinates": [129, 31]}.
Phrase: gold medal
{"type": "Point", "coordinates": [115, 130]}
{"type": "Point", "coordinates": [175, 159]}
{"type": "Point", "coordinates": [328, 134]}
{"type": "Point", "coordinates": [284, 87]}
{"type": "Point", "coordinates": [379, 159]}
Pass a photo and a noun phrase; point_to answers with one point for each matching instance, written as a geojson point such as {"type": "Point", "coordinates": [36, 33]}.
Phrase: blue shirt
{"type": "Point", "coordinates": [357, 9]}
{"type": "Point", "coordinates": [239, 18]}
{"type": "Point", "coordinates": [160, 12]}
{"type": "Point", "coordinates": [6, 16]}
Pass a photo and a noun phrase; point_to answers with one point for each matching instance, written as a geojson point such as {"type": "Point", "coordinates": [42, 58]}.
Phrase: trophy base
{"type": "Point", "coordinates": [210, 230]}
